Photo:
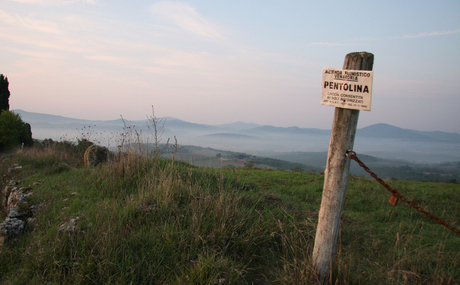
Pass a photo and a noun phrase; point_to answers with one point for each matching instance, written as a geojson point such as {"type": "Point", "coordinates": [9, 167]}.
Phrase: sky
{"type": "Point", "coordinates": [216, 62]}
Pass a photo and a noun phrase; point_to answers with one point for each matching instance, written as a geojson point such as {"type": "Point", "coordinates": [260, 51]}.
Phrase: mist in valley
{"type": "Point", "coordinates": [380, 145]}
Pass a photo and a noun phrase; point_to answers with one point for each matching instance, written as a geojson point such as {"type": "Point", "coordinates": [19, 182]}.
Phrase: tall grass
{"type": "Point", "coordinates": [146, 220]}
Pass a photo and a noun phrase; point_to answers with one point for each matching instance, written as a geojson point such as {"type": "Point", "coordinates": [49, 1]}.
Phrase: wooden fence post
{"type": "Point", "coordinates": [336, 175]}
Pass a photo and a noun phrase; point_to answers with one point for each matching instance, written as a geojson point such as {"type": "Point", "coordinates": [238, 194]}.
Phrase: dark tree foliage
{"type": "Point", "coordinates": [27, 139]}
{"type": "Point", "coordinates": [4, 93]}
{"type": "Point", "coordinates": [13, 131]}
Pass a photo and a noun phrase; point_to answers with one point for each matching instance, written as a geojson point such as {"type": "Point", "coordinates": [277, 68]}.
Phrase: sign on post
{"type": "Point", "coordinates": [349, 89]}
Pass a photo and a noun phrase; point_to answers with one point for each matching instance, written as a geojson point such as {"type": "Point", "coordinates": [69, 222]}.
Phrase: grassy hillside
{"type": "Point", "coordinates": [215, 158]}
{"type": "Point", "coordinates": [386, 168]}
{"type": "Point", "coordinates": [147, 220]}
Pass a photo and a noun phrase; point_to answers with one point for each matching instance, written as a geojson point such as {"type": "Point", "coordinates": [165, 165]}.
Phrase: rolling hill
{"type": "Point", "coordinates": [378, 140]}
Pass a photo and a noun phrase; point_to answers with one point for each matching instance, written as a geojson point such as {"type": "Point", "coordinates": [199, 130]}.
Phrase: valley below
{"type": "Point", "coordinates": [390, 151]}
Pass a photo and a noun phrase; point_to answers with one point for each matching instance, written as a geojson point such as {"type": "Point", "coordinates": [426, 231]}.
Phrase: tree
{"type": "Point", "coordinates": [4, 93]}
{"type": "Point", "coordinates": [13, 131]}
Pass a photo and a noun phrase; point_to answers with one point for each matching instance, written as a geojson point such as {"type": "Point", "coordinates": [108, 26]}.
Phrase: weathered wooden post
{"type": "Point", "coordinates": [336, 173]}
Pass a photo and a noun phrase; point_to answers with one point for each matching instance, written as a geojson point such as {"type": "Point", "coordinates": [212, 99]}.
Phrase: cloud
{"type": "Point", "coordinates": [347, 42]}
{"type": "Point", "coordinates": [32, 53]}
{"type": "Point", "coordinates": [53, 2]}
{"type": "Point", "coordinates": [110, 59]}
{"type": "Point", "coordinates": [333, 44]}
{"type": "Point", "coordinates": [186, 17]}
{"type": "Point", "coordinates": [428, 34]}
{"type": "Point", "coordinates": [29, 23]}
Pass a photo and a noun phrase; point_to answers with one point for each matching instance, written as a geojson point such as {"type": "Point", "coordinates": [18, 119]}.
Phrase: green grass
{"type": "Point", "coordinates": [146, 220]}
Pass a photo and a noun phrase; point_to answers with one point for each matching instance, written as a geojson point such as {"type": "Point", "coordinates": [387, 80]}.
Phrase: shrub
{"type": "Point", "coordinates": [13, 131]}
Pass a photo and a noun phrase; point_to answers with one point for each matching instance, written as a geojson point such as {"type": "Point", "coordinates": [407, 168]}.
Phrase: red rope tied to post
{"type": "Point", "coordinates": [395, 195]}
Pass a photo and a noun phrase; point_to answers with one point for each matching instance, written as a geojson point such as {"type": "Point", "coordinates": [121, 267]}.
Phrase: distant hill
{"type": "Point", "coordinates": [380, 130]}
{"type": "Point", "coordinates": [452, 137]}
{"type": "Point", "coordinates": [378, 140]}
{"type": "Point", "coordinates": [176, 124]}
{"type": "Point", "coordinates": [45, 118]}
{"type": "Point", "coordinates": [230, 136]}
{"type": "Point", "coordinates": [238, 126]}
{"type": "Point", "coordinates": [289, 130]}
{"type": "Point", "coordinates": [388, 131]}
